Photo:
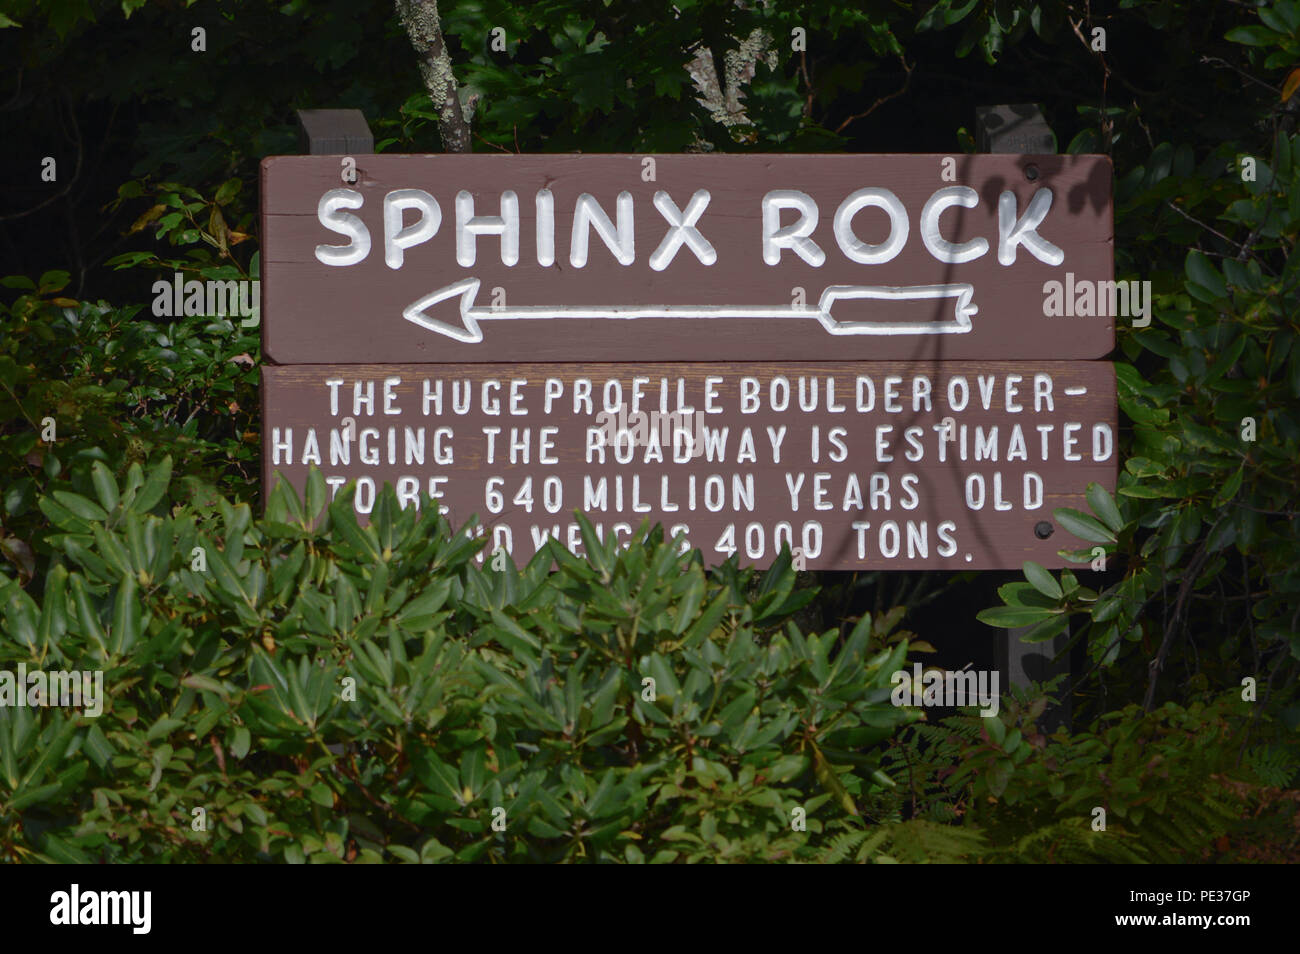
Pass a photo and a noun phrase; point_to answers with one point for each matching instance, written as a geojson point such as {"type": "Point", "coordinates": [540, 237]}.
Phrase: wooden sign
{"type": "Point", "coordinates": [872, 359]}
{"type": "Point", "coordinates": [856, 465]}
{"type": "Point", "coordinates": [473, 258]}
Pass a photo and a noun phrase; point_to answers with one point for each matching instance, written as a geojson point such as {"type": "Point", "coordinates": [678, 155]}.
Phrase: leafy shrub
{"type": "Point", "coordinates": [471, 690]}
{"type": "Point", "coordinates": [1162, 779]}
{"type": "Point", "coordinates": [119, 387]}
{"type": "Point", "coordinates": [327, 692]}
{"type": "Point", "coordinates": [1200, 540]}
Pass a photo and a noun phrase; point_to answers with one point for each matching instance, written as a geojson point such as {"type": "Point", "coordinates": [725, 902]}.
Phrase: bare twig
{"type": "Point", "coordinates": [1189, 579]}
{"type": "Point", "coordinates": [907, 82]}
{"type": "Point", "coordinates": [495, 146]}
{"type": "Point", "coordinates": [1219, 61]}
{"type": "Point", "coordinates": [1137, 116]}
{"type": "Point", "coordinates": [1196, 221]}
{"type": "Point", "coordinates": [1107, 124]}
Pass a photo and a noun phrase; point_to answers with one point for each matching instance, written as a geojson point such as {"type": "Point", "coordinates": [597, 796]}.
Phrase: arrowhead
{"type": "Point", "coordinates": [466, 330]}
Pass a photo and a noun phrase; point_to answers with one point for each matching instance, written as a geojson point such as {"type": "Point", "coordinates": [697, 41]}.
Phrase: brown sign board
{"type": "Point", "coordinates": [878, 465]}
{"type": "Point", "coordinates": [574, 258]}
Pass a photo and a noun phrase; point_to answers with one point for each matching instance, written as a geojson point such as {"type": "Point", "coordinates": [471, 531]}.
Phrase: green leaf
{"type": "Point", "coordinates": [1141, 492]}
{"type": "Point", "coordinates": [999, 775]}
{"type": "Point", "coordinates": [427, 603]}
{"type": "Point", "coordinates": [81, 507]}
{"type": "Point", "coordinates": [1143, 467]}
{"type": "Point", "coordinates": [98, 747]}
{"type": "Point", "coordinates": [30, 796]}
{"type": "Point", "coordinates": [52, 752]}
{"type": "Point", "coordinates": [1103, 505]}
{"type": "Point", "coordinates": [1253, 36]}
{"type": "Point", "coordinates": [513, 632]}
{"type": "Point", "coordinates": [1202, 272]}
{"type": "Point", "coordinates": [155, 485]}
{"type": "Point", "coordinates": [1223, 535]}
{"type": "Point", "coordinates": [364, 541]}
{"type": "Point", "coordinates": [54, 616]}
{"type": "Point", "coordinates": [87, 617]}
{"type": "Point", "coordinates": [708, 620]}
{"type": "Point", "coordinates": [1045, 630]}
{"type": "Point", "coordinates": [597, 554]}
{"type": "Point", "coordinates": [1042, 581]}
{"type": "Point", "coordinates": [1083, 526]}
{"type": "Point", "coordinates": [241, 741]}
{"type": "Point", "coordinates": [1025, 594]}
{"type": "Point", "coordinates": [163, 727]}
{"type": "Point", "coordinates": [1013, 617]}
{"type": "Point", "coordinates": [53, 281]}
{"type": "Point", "coordinates": [690, 603]}
{"type": "Point", "coordinates": [126, 617]}
{"type": "Point", "coordinates": [205, 684]}
{"type": "Point", "coordinates": [830, 780]}
{"type": "Point", "coordinates": [105, 486]}
{"type": "Point", "coordinates": [220, 568]}
{"type": "Point", "coordinates": [317, 495]}
{"type": "Point", "coordinates": [882, 779]}
{"type": "Point", "coordinates": [787, 768]}
{"type": "Point", "coordinates": [20, 614]}
{"type": "Point", "coordinates": [228, 190]}
{"type": "Point", "coordinates": [1230, 487]}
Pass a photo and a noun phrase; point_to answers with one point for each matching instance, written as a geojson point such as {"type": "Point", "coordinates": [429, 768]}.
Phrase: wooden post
{"type": "Point", "coordinates": [1015, 129]}
{"type": "Point", "coordinates": [329, 132]}
{"type": "Point", "coordinates": [1021, 129]}
{"type": "Point", "coordinates": [335, 132]}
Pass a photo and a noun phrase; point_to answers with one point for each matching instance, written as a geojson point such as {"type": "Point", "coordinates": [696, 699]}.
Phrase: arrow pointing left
{"type": "Point", "coordinates": [468, 330]}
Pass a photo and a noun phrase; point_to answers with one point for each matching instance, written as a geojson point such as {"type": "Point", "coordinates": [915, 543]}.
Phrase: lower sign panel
{"type": "Point", "coordinates": [886, 465]}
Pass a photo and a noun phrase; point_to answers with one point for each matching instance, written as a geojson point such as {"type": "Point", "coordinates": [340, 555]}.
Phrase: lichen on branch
{"type": "Point", "coordinates": [424, 27]}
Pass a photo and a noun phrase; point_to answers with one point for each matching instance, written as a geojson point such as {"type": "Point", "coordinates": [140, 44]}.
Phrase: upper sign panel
{"type": "Point", "coordinates": [473, 258]}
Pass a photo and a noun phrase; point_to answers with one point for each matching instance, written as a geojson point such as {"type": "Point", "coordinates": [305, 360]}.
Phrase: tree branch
{"type": "Point", "coordinates": [724, 96]}
{"type": "Point", "coordinates": [424, 27]}
{"type": "Point", "coordinates": [1189, 580]}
